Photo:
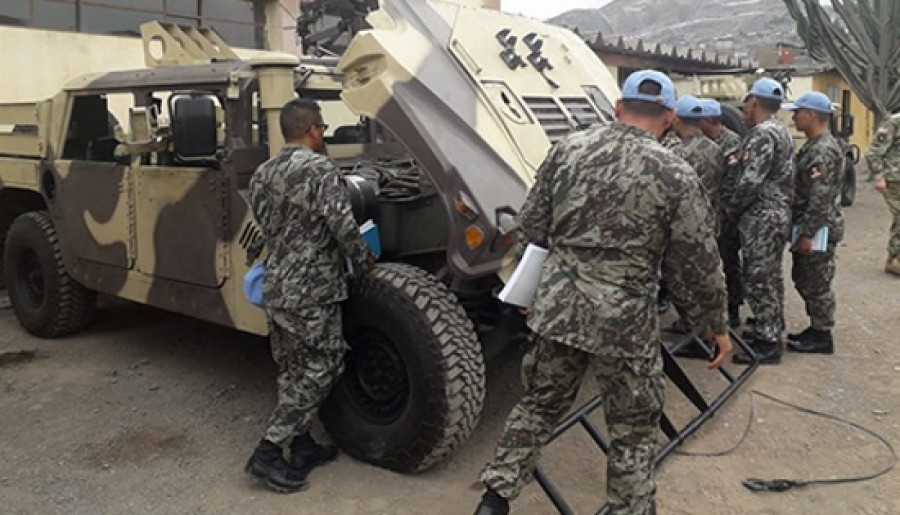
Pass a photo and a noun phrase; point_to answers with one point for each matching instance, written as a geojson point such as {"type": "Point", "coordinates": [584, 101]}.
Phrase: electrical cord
{"type": "Point", "coordinates": [755, 484]}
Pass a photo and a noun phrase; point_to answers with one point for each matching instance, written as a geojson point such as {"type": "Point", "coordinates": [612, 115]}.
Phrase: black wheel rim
{"type": "Point", "coordinates": [375, 378]}
{"type": "Point", "coordinates": [31, 278]}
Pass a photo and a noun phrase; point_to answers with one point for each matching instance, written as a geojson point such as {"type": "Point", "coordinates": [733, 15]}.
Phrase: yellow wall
{"type": "Point", "coordinates": [864, 120]}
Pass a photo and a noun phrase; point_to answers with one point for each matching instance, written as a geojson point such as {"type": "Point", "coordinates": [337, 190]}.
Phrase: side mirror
{"type": "Point", "coordinates": [194, 126]}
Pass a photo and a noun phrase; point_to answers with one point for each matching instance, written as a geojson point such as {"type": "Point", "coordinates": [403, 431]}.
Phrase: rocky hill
{"type": "Point", "coordinates": [697, 24]}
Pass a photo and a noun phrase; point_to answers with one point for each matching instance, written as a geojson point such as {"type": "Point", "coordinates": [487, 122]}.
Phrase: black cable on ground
{"type": "Point", "coordinates": [781, 485]}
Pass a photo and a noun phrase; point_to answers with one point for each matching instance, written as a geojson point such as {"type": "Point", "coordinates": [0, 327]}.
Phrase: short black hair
{"type": "Point", "coordinates": [771, 105]}
{"type": "Point", "coordinates": [297, 116]}
{"type": "Point", "coordinates": [693, 122]}
{"type": "Point", "coordinates": [642, 107]}
{"type": "Point", "coordinates": [822, 117]}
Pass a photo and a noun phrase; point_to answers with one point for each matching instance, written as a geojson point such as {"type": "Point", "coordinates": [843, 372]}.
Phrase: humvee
{"type": "Point", "coordinates": [133, 184]}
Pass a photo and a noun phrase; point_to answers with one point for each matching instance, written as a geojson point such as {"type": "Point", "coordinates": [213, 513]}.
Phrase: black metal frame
{"type": "Point", "coordinates": [676, 437]}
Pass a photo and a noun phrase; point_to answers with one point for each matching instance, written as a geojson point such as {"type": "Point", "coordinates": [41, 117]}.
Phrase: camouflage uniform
{"type": "Point", "coordinates": [671, 141]}
{"type": "Point", "coordinates": [884, 161]}
{"type": "Point", "coordinates": [729, 236]}
{"type": "Point", "coordinates": [705, 157]}
{"type": "Point", "coordinates": [610, 229]}
{"type": "Point", "coordinates": [816, 204]}
{"type": "Point", "coordinates": [762, 196]}
{"type": "Point", "coordinates": [307, 224]}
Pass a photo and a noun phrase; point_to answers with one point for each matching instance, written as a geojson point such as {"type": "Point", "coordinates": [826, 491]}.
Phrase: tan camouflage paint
{"type": "Point", "coordinates": [173, 237]}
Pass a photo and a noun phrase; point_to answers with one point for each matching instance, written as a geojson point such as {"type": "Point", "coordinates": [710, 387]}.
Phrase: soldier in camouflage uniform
{"type": "Point", "coordinates": [729, 236]}
{"type": "Point", "coordinates": [884, 164]}
{"type": "Point", "coordinates": [305, 217]}
{"type": "Point", "coordinates": [611, 223]}
{"type": "Point", "coordinates": [704, 156]}
{"type": "Point", "coordinates": [816, 204]}
{"type": "Point", "coordinates": [761, 201]}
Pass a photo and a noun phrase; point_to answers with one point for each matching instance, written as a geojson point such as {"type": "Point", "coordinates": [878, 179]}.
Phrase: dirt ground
{"type": "Point", "coordinates": [149, 412]}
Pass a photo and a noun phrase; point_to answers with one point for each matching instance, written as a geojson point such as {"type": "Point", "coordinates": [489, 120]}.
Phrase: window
{"type": "Point", "coordinates": [240, 22]}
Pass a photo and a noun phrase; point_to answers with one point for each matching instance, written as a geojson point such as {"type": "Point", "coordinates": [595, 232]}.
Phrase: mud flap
{"type": "Point", "coordinates": [674, 436]}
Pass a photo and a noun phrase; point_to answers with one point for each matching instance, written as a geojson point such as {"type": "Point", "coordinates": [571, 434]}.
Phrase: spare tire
{"type": "Point", "coordinates": [46, 300]}
{"type": "Point", "coordinates": [413, 387]}
{"type": "Point", "coordinates": [731, 118]}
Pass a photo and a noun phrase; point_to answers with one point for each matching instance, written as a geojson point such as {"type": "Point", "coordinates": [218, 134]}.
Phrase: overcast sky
{"type": "Point", "coordinates": [543, 9]}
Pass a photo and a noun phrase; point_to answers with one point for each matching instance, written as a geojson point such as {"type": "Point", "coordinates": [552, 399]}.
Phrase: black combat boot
{"type": "Point", "coordinates": [799, 337]}
{"type": "Point", "coordinates": [306, 454]}
{"type": "Point", "coordinates": [268, 464]}
{"type": "Point", "coordinates": [812, 341]}
{"type": "Point", "coordinates": [769, 353]}
{"type": "Point", "coordinates": [492, 503]}
{"type": "Point", "coordinates": [734, 316]}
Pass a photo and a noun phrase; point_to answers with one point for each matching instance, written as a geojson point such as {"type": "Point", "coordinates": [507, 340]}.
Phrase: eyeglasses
{"type": "Point", "coordinates": [323, 126]}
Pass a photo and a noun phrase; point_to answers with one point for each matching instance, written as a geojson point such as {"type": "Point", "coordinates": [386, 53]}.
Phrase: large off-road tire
{"type": "Point", "coordinates": [413, 387]}
{"type": "Point", "coordinates": [45, 299]}
{"type": "Point", "coordinates": [731, 118]}
{"type": "Point", "coordinates": [848, 184]}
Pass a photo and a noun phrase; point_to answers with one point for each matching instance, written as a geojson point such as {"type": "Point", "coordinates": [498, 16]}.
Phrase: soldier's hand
{"type": "Point", "coordinates": [803, 245]}
{"type": "Point", "coordinates": [880, 184]}
{"type": "Point", "coordinates": [723, 349]}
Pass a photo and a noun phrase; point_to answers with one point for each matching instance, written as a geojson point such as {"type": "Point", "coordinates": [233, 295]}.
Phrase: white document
{"type": "Point", "coordinates": [819, 241]}
{"type": "Point", "coordinates": [522, 286]}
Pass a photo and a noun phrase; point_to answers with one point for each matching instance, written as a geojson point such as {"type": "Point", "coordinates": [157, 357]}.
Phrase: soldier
{"type": "Point", "coordinates": [816, 205]}
{"type": "Point", "coordinates": [884, 163]}
{"type": "Point", "coordinates": [761, 201]}
{"type": "Point", "coordinates": [704, 156]}
{"type": "Point", "coordinates": [610, 225]}
{"type": "Point", "coordinates": [307, 225]}
{"type": "Point", "coordinates": [729, 237]}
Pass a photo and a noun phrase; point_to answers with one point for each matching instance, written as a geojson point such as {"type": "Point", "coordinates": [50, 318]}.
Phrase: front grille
{"type": "Point", "coordinates": [582, 111]}
{"type": "Point", "coordinates": [551, 117]}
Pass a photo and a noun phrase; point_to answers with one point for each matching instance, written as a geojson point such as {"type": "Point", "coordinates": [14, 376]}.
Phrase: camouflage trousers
{"type": "Point", "coordinates": [308, 349]}
{"type": "Point", "coordinates": [633, 390]}
{"type": "Point", "coordinates": [730, 251]}
{"type": "Point", "coordinates": [812, 275]}
{"type": "Point", "coordinates": [892, 198]}
{"type": "Point", "coordinates": [762, 249]}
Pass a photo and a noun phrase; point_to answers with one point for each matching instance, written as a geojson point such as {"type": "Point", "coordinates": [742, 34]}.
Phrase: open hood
{"type": "Point", "coordinates": [477, 97]}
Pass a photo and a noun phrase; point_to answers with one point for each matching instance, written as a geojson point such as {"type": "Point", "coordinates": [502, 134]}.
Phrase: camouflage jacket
{"type": "Point", "coordinates": [615, 208]}
{"type": "Point", "coordinates": [706, 159]}
{"type": "Point", "coordinates": [730, 145]}
{"type": "Point", "coordinates": [883, 155]}
{"type": "Point", "coordinates": [817, 190]}
{"type": "Point", "coordinates": [671, 141]}
{"type": "Point", "coordinates": [304, 214]}
{"type": "Point", "coordinates": [764, 188]}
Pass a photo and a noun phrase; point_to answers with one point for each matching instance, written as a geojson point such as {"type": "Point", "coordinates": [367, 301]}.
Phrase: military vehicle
{"type": "Point", "coordinates": [730, 90]}
{"type": "Point", "coordinates": [133, 184]}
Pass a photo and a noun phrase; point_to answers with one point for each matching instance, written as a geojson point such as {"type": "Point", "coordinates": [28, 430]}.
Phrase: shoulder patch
{"type": "Point", "coordinates": [733, 159]}
{"type": "Point", "coordinates": [816, 171]}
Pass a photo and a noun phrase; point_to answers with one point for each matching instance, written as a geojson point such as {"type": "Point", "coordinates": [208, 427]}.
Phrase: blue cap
{"type": "Point", "coordinates": [711, 108]}
{"type": "Point", "coordinates": [666, 96]}
{"type": "Point", "coordinates": [813, 100]}
{"type": "Point", "coordinates": [767, 88]}
{"type": "Point", "coordinates": [688, 107]}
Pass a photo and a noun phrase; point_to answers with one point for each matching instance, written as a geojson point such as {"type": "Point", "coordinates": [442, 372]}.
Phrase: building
{"type": "Point", "coordinates": [48, 42]}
